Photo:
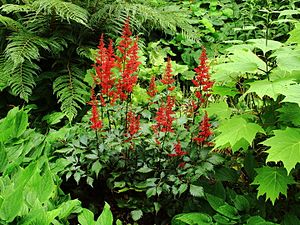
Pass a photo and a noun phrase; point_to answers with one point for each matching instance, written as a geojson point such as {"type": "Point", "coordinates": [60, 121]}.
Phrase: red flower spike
{"type": "Point", "coordinates": [202, 78]}
{"type": "Point", "coordinates": [128, 63]}
{"type": "Point", "coordinates": [133, 123]}
{"type": "Point", "coordinates": [96, 122]}
{"type": "Point", "coordinates": [205, 132]}
{"type": "Point", "coordinates": [152, 87]}
{"type": "Point", "coordinates": [178, 150]}
{"type": "Point", "coordinates": [164, 117]}
{"type": "Point", "coordinates": [167, 78]}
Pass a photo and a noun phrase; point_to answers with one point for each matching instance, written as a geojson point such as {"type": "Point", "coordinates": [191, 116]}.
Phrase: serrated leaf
{"type": "Point", "coordinates": [136, 214]}
{"type": "Point", "coordinates": [292, 94]}
{"type": "Point", "coordinates": [270, 45]}
{"type": "Point", "coordinates": [224, 91]}
{"type": "Point", "coordinates": [269, 88]}
{"type": "Point", "coordinates": [220, 109]}
{"type": "Point", "coordinates": [272, 181]}
{"type": "Point", "coordinates": [295, 34]}
{"type": "Point", "coordinates": [288, 58]}
{"type": "Point", "coordinates": [285, 147]}
{"type": "Point", "coordinates": [196, 191]}
{"type": "Point", "coordinates": [290, 113]}
{"type": "Point", "coordinates": [235, 130]}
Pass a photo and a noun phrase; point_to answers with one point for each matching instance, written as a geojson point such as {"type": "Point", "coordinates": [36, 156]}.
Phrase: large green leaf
{"type": "Point", "coordinates": [86, 217]}
{"type": "Point", "coordinates": [295, 34]}
{"type": "Point", "coordinates": [106, 217]}
{"type": "Point", "coordinates": [269, 88]}
{"type": "Point", "coordinates": [264, 45]}
{"type": "Point", "coordinates": [288, 58]}
{"type": "Point", "coordinates": [285, 147]}
{"type": "Point", "coordinates": [272, 181]}
{"type": "Point", "coordinates": [236, 132]}
{"type": "Point", "coordinates": [290, 112]}
{"type": "Point", "coordinates": [292, 94]}
{"type": "Point", "coordinates": [220, 109]}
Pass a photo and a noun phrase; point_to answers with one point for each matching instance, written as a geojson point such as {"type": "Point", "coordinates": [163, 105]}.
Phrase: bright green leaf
{"type": "Point", "coordinates": [136, 214]}
{"type": "Point", "coordinates": [234, 130]}
{"type": "Point", "coordinates": [272, 181]}
{"type": "Point", "coordinates": [106, 217]}
{"type": "Point", "coordinates": [220, 109]}
{"type": "Point", "coordinates": [196, 191]}
{"type": "Point", "coordinates": [285, 147]}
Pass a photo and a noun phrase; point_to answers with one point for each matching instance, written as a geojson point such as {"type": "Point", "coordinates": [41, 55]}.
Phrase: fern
{"type": "Point", "coordinates": [25, 46]}
{"type": "Point", "coordinates": [71, 91]}
{"type": "Point", "coordinates": [10, 23]}
{"type": "Point", "coordinates": [65, 10]}
{"type": "Point", "coordinates": [4, 78]}
{"type": "Point", "coordinates": [12, 8]}
{"type": "Point", "coordinates": [22, 79]}
{"type": "Point", "coordinates": [145, 17]}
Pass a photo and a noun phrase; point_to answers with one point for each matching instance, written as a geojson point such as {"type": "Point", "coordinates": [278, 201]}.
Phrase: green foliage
{"type": "Point", "coordinates": [236, 132]}
{"type": "Point", "coordinates": [285, 147]}
{"type": "Point", "coordinates": [272, 182]}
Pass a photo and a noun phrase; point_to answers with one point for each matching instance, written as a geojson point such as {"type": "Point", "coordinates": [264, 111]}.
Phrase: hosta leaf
{"type": "Point", "coordinates": [220, 109]}
{"type": "Point", "coordinates": [106, 217]}
{"type": "Point", "coordinates": [272, 181]}
{"type": "Point", "coordinates": [236, 132]}
{"type": "Point", "coordinates": [269, 88]}
{"type": "Point", "coordinates": [86, 217]}
{"type": "Point", "coordinates": [285, 147]}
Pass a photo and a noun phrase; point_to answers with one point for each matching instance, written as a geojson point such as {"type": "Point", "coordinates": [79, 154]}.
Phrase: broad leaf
{"type": "Point", "coordinates": [272, 181]}
{"type": "Point", "coordinates": [285, 147]}
{"type": "Point", "coordinates": [86, 217]}
{"type": "Point", "coordinates": [220, 109]}
{"type": "Point", "coordinates": [106, 217]}
{"type": "Point", "coordinates": [196, 191]}
{"type": "Point", "coordinates": [290, 113]}
{"type": "Point", "coordinates": [269, 88]}
{"type": "Point", "coordinates": [292, 94]}
{"type": "Point", "coordinates": [237, 133]}
{"type": "Point", "coordinates": [264, 45]}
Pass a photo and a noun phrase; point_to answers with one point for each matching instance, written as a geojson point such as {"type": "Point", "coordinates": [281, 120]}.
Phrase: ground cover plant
{"type": "Point", "coordinates": [155, 128]}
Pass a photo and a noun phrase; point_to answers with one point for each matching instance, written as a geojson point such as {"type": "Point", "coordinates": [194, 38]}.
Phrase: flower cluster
{"type": "Point", "coordinates": [205, 132]}
{"type": "Point", "coordinates": [164, 118]}
{"type": "Point", "coordinates": [167, 78]}
{"type": "Point", "coordinates": [111, 87]}
{"type": "Point", "coordinates": [178, 151]}
{"type": "Point", "coordinates": [152, 87]}
{"type": "Point", "coordinates": [96, 122]}
{"type": "Point", "coordinates": [133, 123]}
{"type": "Point", "coordinates": [128, 62]}
{"type": "Point", "coordinates": [202, 78]}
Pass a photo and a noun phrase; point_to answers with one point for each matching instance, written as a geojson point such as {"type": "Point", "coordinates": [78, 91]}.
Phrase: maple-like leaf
{"type": "Point", "coordinates": [290, 112]}
{"type": "Point", "coordinates": [220, 109]}
{"type": "Point", "coordinates": [272, 181]}
{"type": "Point", "coordinates": [292, 94]}
{"type": "Point", "coordinates": [285, 147]}
{"type": "Point", "coordinates": [237, 133]}
{"type": "Point", "coordinates": [270, 88]}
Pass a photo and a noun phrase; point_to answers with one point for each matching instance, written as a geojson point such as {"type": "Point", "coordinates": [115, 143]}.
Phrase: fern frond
{"type": "Point", "coordinates": [4, 71]}
{"type": "Point", "coordinates": [25, 46]}
{"type": "Point", "coordinates": [22, 79]}
{"type": "Point", "coordinates": [65, 10]}
{"type": "Point", "coordinates": [10, 23]}
{"type": "Point", "coordinates": [146, 17]}
{"type": "Point", "coordinates": [12, 8]}
{"type": "Point", "coordinates": [71, 91]}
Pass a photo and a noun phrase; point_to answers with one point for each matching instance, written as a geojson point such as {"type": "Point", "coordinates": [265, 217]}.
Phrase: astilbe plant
{"type": "Point", "coordinates": [155, 142]}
